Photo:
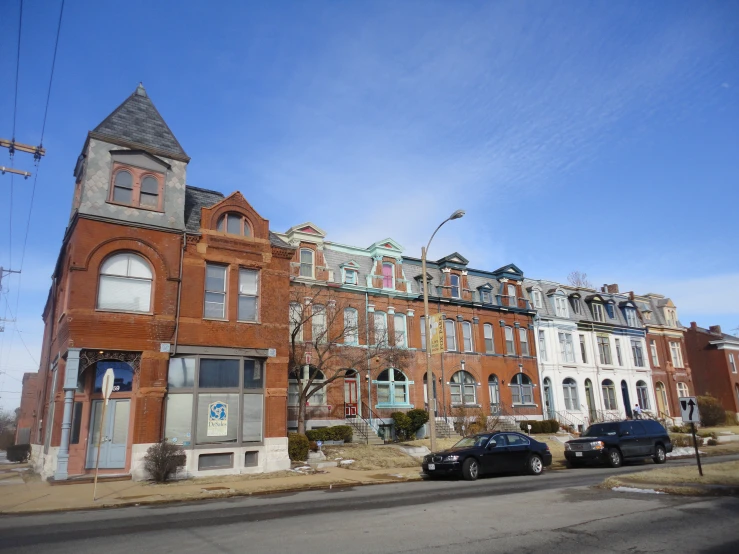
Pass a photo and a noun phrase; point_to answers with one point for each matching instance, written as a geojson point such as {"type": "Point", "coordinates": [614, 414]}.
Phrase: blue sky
{"type": "Point", "coordinates": [596, 136]}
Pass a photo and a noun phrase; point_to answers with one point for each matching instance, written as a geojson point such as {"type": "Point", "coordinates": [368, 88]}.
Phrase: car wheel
{"type": "Point", "coordinates": [615, 459]}
{"type": "Point", "coordinates": [470, 469]}
{"type": "Point", "coordinates": [534, 465]}
{"type": "Point", "coordinates": [660, 456]}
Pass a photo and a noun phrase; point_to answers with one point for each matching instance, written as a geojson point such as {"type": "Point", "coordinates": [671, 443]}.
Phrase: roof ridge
{"type": "Point", "coordinates": [205, 190]}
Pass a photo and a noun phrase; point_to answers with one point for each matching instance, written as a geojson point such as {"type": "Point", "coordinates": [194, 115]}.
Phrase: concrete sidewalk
{"type": "Point", "coordinates": [19, 495]}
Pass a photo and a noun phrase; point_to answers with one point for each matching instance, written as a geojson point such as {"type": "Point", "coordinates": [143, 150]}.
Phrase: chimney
{"type": "Point", "coordinates": [715, 329]}
{"type": "Point", "coordinates": [613, 289]}
{"type": "Point", "coordinates": [693, 325]}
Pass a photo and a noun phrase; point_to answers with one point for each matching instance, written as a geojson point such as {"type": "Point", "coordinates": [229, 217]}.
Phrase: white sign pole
{"type": "Point", "coordinates": [107, 388]}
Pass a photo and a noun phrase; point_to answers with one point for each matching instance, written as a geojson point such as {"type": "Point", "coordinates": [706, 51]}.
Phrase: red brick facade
{"type": "Point", "coordinates": [711, 353]}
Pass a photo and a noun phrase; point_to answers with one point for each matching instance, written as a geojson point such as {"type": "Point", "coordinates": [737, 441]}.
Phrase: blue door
{"type": "Point", "coordinates": [115, 434]}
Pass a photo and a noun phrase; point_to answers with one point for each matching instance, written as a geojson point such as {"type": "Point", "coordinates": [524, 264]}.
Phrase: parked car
{"type": "Point", "coordinates": [499, 452]}
{"type": "Point", "coordinates": [614, 441]}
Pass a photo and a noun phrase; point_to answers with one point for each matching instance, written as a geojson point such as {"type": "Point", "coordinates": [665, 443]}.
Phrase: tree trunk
{"type": "Point", "coordinates": [301, 413]}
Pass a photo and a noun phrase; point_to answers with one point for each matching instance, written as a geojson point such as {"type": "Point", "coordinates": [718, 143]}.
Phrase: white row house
{"type": "Point", "coordinates": [592, 354]}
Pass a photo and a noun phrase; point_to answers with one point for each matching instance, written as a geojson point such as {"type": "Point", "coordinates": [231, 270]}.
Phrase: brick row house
{"type": "Point", "coordinates": [490, 360]}
{"type": "Point", "coordinates": [179, 290]}
{"type": "Point", "coordinates": [671, 373]}
{"type": "Point", "coordinates": [714, 359]}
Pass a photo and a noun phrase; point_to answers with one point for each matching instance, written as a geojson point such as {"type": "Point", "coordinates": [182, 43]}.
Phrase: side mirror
{"type": "Point", "coordinates": [492, 444]}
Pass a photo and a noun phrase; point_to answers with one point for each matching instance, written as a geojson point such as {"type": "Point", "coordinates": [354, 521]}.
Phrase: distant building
{"type": "Point", "coordinates": [714, 359]}
{"type": "Point", "coordinates": [27, 415]}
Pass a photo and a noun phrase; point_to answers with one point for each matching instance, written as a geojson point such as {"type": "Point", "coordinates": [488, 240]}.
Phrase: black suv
{"type": "Point", "coordinates": [614, 441]}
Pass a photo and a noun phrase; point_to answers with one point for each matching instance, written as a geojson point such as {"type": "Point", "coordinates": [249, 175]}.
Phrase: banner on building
{"type": "Point", "coordinates": [217, 419]}
{"type": "Point", "coordinates": [436, 322]}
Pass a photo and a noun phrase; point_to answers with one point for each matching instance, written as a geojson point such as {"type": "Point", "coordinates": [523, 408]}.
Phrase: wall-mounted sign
{"type": "Point", "coordinates": [217, 419]}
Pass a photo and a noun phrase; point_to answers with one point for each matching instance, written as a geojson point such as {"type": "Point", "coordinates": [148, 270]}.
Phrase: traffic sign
{"type": "Point", "coordinates": [107, 387]}
{"type": "Point", "coordinates": [689, 409]}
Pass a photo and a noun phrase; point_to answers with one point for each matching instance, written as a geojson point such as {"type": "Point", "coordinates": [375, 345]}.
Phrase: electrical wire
{"type": "Point", "coordinates": [51, 77]}
{"type": "Point", "coordinates": [17, 67]}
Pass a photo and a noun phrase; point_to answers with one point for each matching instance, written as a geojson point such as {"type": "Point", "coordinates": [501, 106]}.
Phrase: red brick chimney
{"type": "Point", "coordinates": [715, 329]}
{"type": "Point", "coordinates": [613, 289]}
{"type": "Point", "coordinates": [693, 325]}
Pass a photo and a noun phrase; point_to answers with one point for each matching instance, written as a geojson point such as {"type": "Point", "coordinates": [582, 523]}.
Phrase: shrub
{"type": "Point", "coordinates": [163, 459]}
{"type": "Point", "coordinates": [297, 447]}
{"type": "Point", "coordinates": [711, 442]}
{"type": "Point", "coordinates": [313, 446]}
{"type": "Point", "coordinates": [546, 426]}
{"type": "Point", "coordinates": [335, 433]}
{"type": "Point", "coordinates": [707, 434]}
{"type": "Point", "coordinates": [685, 440]}
{"type": "Point", "coordinates": [684, 428]}
{"type": "Point", "coordinates": [418, 418]}
{"type": "Point", "coordinates": [711, 410]}
{"type": "Point", "coordinates": [403, 425]}
{"type": "Point", "coordinates": [19, 453]}
{"type": "Point", "coordinates": [730, 418]}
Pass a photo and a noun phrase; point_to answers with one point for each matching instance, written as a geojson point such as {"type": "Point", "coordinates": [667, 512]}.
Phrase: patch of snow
{"type": "Point", "coordinates": [632, 489]}
{"type": "Point", "coordinates": [346, 462]}
{"type": "Point", "coordinates": [301, 469]}
{"type": "Point", "coordinates": [682, 451]}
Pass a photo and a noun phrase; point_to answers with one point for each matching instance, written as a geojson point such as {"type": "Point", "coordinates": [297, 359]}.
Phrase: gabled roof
{"type": "Point", "coordinates": [137, 122]}
{"type": "Point", "coordinates": [454, 258]}
{"type": "Point", "coordinates": [510, 270]}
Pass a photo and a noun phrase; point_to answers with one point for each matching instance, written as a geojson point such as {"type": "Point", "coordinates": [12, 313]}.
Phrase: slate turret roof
{"type": "Point", "coordinates": [138, 123]}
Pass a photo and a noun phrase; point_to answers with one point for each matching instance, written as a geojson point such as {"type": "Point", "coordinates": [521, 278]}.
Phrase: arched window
{"type": "Point", "coordinates": [572, 402]}
{"type": "Point", "coordinates": [454, 280]}
{"type": "Point", "coordinates": [522, 389]}
{"type": "Point", "coordinates": [125, 284]}
{"type": "Point", "coordinates": [494, 393]}
{"type": "Point", "coordinates": [467, 336]}
{"type": "Point", "coordinates": [392, 388]}
{"type": "Point", "coordinates": [682, 390]}
{"type": "Point", "coordinates": [122, 375]}
{"type": "Point", "coordinates": [609, 395]}
{"type": "Point", "coordinates": [149, 195]}
{"type": "Point", "coordinates": [123, 187]}
{"type": "Point", "coordinates": [463, 389]}
{"type": "Point", "coordinates": [306, 262]}
{"type": "Point", "coordinates": [642, 394]}
{"type": "Point", "coordinates": [660, 392]}
{"type": "Point", "coordinates": [234, 224]}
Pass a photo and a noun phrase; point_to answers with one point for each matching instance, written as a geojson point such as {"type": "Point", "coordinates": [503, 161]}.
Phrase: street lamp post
{"type": "Point", "coordinates": [429, 375]}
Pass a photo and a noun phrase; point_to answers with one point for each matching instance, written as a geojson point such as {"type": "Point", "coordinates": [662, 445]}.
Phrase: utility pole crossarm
{"type": "Point", "coordinates": [12, 146]}
{"type": "Point", "coordinates": [4, 169]}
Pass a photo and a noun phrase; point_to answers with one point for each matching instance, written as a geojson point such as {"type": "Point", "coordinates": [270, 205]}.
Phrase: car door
{"type": "Point", "coordinates": [643, 442]}
{"type": "Point", "coordinates": [494, 460]}
{"type": "Point", "coordinates": [628, 440]}
{"type": "Point", "coordinates": [518, 451]}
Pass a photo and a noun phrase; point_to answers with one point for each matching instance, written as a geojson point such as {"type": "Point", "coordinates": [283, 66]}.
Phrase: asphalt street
{"type": "Point", "coordinates": [556, 511]}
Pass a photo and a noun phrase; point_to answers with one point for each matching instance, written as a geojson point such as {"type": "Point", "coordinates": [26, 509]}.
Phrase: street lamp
{"type": "Point", "coordinates": [429, 376]}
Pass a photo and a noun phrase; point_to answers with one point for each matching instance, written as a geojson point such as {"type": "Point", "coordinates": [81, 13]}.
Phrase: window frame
{"type": "Point", "coordinates": [353, 338]}
{"type": "Point", "coordinates": [244, 225]}
{"type": "Point", "coordinates": [512, 298]}
{"type": "Point", "coordinates": [467, 337]}
{"type": "Point", "coordinates": [521, 390]}
{"type": "Point", "coordinates": [583, 349]}
{"type": "Point", "coordinates": [566, 347]}
{"type": "Point", "coordinates": [536, 298]}
{"type": "Point", "coordinates": [391, 384]}
{"type": "Point", "coordinates": [455, 289]}
{"type": "Point", "coordinates": [137, 177]}
{"type": "Point", "coordinates": [465, 381]}
{"type": "Point", "coordinates": [542, 345]}
{"type": "Point", "coordinates": [571, 396]}
{"type": "Point", "coordinates": [302, 264]}
{"type": "Point", "coordinates": [399, 317]}
{"type": "Point", "coordinates": [631, 319]}
{"type": "Point", "coordinates": [637, 352]}
{"type": "Point", "coordinates": [391, 276]}
{"type": "Point", "coordinates": [642, 395]}
{"type": "Point", "coordinates": [295, 320]}
{"type": "Point", "coordinates": [510, 341]}
{"type": "Point", "coordinates": [195, 390]}
{"type": "Point", "coordinates": [604, 349]}
{"type": "Point", "coordinates": [224, 292]}
{"type": "Point", "coordinates": [732, 362]}
{"type": "Point", "coordinates": [682, 389]}
{"type": "Point", "coordinates": [318, 328]}
{"type": "Point", "coordinates": [560, 306]}
{"type": "Point", "coordinates": [599, 313]}
{"type": "Point", "coordinates": [654, 355]}
{"type": "Point", "coordinates": [423, 332]}
{"type": "Point", "coordinates": [619, 354]}
{"type": "Point", "coordinates": [610, 401]}
{"type": "Point", "coordinates": [450, 324]}
{"type": "Point", "coordinates": [150, 280]}
{"type": "Point", "coordinates": [523, 339]}
{"type": "Point", "coordinates": [489, 346]}
{"type": "Point", "coordinates": [256, 296]}
{"type": "Point", "coordinates": [383, 318]}
{"type": "Point", "coordinates": [353, 272]}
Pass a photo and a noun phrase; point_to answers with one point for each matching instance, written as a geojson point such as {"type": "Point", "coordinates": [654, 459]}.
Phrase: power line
{"type": "Point", "coordinates": [51, 77]}
{"type": "Point", "coordinates": [17, 68]}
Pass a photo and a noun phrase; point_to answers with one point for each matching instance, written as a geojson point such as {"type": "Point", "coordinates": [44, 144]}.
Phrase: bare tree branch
{"type": "Point", "coordinates": [579, 279]}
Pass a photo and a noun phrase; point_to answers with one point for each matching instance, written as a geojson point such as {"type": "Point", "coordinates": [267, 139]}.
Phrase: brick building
{"type": "Point", "coordinates": [666, 352]}
{"type": "Point", "coordinates": [183, 293]}
{"type": "Point", "coordinates": [490, 359]}
{"type": "Point", "coordinates": [27, 414]}
{"type": "Point", "coordinates": [714, 359]}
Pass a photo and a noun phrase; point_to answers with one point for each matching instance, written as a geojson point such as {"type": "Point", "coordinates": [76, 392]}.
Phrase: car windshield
{"type": "Point", "coordinates": [467, 442]}
{"type": "Point", "coordinates": [600, 430]}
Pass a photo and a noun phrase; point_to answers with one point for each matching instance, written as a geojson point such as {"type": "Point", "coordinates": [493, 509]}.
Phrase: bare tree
{"type": "Point", "coordinates": [579, 279]}
{"type": "Point", "coordinates": [325, 332]}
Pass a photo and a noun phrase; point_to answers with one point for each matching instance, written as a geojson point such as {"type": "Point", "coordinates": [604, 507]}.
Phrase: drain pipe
{"type": "Point", "coordinates": [179, 294]}
{"type": "Point", "coordinates": [369, 365]}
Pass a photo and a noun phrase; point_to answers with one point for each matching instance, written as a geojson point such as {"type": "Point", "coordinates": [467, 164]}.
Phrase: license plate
{"type": "Point", "coordinates": [578, 454]}
{"type": "Point", "coordinates": [432, 467]}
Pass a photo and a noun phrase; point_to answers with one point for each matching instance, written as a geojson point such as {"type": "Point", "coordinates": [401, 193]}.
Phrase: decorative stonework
{"type": "Point", "coordinates": [90, 357]}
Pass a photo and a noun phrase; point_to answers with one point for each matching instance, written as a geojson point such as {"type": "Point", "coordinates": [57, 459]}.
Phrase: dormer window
{"type": "Point", "coordinates": [454, 280]}
{"type": "Point", "coordinates": [388, 276]}
{"type": "Point", "coordinates": [234, 224]}
{"type": "Point", "coordinates": [598, 313]}
{"type": "Point", "coordinates": [136, 187]}
{"type": "Point", "coordinates": [350, 277]}
{"type": "Point", "coordinates": [671, 318]}
{"type": "Point", "coordinates": [511, 295]}
{"type": "Point", "coordinates": [560, 306]}
{"type": "Point", "coordinates": [536, 298]}
{"type": "Point", "coordinates": [486, 296]}
{"type": "Point", "coordinates": [631, 319]}
{"type": "Point", "coordinates": [306, 263]}
{"type": "Point", "coordinates": [609, 310]}
{"type": "Point", "coordinates": [575, 304]}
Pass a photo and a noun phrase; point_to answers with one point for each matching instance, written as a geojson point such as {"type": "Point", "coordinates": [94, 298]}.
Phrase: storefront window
{"type": "Point", "coordinates": [123, 381]}
{"type": "Point", "coordinates": [215, 401]}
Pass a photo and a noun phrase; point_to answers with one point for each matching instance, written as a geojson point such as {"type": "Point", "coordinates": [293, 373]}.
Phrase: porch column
{"type": "Point", "coordinates": [70, 386]}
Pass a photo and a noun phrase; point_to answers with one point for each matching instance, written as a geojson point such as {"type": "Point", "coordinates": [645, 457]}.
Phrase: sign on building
{"type": "Point", "coordinates": [436, 322]}
{"type": "Point", "coordinates": [217, 419]}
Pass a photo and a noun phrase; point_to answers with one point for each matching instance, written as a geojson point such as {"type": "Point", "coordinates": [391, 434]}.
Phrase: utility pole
{"type": "Point", "coordinates": [3, 273]}
{"type": "Point", "coordinates": [12, 146]}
